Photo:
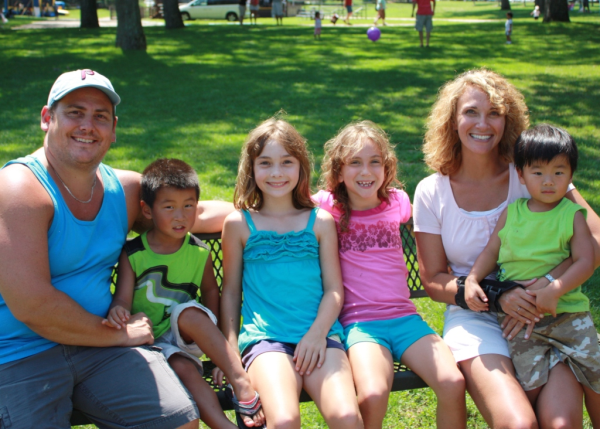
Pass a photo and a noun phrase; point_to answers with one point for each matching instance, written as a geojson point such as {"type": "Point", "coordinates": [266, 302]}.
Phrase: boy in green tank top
{"type": "Point", "coordinates": [165, 273]}
{"type": "Point", "coordinates": [531, 238]}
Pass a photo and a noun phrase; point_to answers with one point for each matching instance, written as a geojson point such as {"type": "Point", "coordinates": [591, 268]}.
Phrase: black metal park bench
{"type": "Point", "coordinates": [404, 378]}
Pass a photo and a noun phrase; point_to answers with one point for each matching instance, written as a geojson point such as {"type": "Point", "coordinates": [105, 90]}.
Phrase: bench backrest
{"type": "Point", "coordinates": [409, 246]}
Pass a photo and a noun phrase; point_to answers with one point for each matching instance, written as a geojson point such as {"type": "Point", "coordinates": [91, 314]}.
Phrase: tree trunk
{"type": "Point", "coordinates": [172, 14]}
{"type": "Point", "coordinates": [505, 5]}
{"type": "Point", "coordinates": [130, 34]}
{"type": "Point", "coordinates": [556, 10]}
{"type": "Point", "coordinates": [89, 14]}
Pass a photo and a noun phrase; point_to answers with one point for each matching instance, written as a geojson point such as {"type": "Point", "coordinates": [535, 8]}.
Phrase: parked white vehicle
{"type": "Point", "coordinates": [212, 9]}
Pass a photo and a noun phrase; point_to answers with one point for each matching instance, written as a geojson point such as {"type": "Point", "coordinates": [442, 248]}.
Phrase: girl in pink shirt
{"type": "Point", "coordinates": [380, 322]}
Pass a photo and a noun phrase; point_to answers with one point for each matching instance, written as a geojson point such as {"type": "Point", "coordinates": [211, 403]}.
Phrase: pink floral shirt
{"type": "Point", "coordinates": [373, 268]}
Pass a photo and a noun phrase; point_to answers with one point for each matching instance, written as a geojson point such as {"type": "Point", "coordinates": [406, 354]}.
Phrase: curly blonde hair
{"type": "Point", "coordinates": [442, 146]}
{"type": "Point", "coordinates": [247, 195]}
{"type": "Point", "coordinates": [339, 149]}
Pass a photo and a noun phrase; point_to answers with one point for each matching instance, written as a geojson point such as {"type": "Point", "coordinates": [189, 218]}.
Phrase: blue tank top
{"type": "Point", "coordinates": [81, 255]}
{"type": "Point", "coordinates": [282, 285]}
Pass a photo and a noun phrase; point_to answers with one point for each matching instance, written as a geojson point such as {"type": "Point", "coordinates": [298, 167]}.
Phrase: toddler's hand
{"type": "Point", "coordinates": [546, 299]}
{"type": "Point", "coordinates": [310, 352]}
{"type": "Point", "coordinates": [117, 317]}
{"type": "Point", "coordinates": [475, 296]}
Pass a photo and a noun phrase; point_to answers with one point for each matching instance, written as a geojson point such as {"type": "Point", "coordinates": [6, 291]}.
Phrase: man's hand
{"type": "Point", "coordinates": [138, 331]}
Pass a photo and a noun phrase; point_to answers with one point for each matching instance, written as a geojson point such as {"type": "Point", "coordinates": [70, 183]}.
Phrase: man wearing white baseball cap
{"type": "Point", "coordinates": [64, 217]}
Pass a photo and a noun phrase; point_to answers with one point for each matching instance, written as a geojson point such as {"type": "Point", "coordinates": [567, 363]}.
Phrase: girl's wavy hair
{"type": "Point", "coordinates": [442, 146]}
{"type": "Point", "coordinates": [341, 148]}
{"type": "Point", "coordinates": [247, 195]}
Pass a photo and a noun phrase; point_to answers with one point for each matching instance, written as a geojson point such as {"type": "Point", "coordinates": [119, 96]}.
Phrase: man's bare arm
{"type": "Point", "coordinates": [211, 215]}
{"type": "Point", "coordinates": [26, 212]}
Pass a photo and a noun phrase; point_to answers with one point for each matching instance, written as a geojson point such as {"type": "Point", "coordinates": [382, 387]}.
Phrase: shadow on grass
{"type": "Point", "coordinates": [197, 92]}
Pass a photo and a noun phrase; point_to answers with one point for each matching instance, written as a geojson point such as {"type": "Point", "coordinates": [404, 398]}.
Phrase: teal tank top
{"type": "Point", "coordinates": [282, 285]}
{"type": "Point", "coordinates": [81, 255]}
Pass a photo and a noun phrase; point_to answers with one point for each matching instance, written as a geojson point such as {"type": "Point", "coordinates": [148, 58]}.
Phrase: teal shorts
{"type": "Point", "coordinates": [396, 335]}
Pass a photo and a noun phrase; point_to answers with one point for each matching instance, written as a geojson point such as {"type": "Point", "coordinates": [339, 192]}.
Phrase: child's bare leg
{"type": "Point", "coordinates": [592, 405]}
{"type": "Point", "coordinates": [431, 359]}
{"type": "Point", "coordinates": [332, 389]}
{"type": "Point", "coordinates": [560, 403]}
{"type": "Point", "coordinates": [279, 386]}
{"type": "Point", "coordinates": [205, 397]}
{"type": "Point", "coordinates": [195, 326]}
{"type": "Point", "coordinates": [373, 370]}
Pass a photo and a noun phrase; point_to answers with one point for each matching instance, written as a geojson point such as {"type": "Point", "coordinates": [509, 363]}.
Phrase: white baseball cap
{"type": "Point", "coordinates": [70, 81]}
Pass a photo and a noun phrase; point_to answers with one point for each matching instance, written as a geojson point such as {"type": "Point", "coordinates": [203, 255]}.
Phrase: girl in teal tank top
{"type": "Point", "coordinates": [281, 253]}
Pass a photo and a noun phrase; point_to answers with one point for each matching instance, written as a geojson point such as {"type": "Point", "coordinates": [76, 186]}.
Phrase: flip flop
{"type": "Point", "coordinates": [249, 410]}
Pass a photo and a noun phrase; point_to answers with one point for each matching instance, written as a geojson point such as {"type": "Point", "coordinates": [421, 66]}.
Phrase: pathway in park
{"type": "Point", "coordinates": [74, 23]}
{"type": "Point", "coordinates": [107, 22]}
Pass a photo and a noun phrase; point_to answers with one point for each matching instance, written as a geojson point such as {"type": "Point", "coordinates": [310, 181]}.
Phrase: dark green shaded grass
{"type": "Point", "coordinates": [198, 91]}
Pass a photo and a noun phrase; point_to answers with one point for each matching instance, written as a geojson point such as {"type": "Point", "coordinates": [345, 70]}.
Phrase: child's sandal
{"type": "Point", "coordinates": [248, 410]}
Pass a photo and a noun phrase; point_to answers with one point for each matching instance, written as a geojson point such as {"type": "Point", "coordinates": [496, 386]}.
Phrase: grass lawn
{"type": "Point", "coordinates": [197, 92]}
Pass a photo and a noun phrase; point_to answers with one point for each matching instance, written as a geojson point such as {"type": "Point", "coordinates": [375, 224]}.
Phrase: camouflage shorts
{"type": "Point", "coordinates": [570, 338]}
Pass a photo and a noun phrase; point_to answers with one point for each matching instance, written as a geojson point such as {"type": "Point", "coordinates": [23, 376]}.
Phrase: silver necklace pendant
{"type": "Point", "coordinates": [71, 193]}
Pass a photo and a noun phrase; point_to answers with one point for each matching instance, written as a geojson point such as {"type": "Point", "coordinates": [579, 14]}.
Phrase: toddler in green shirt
{"type": "Point", "coordinates": [531, 238]}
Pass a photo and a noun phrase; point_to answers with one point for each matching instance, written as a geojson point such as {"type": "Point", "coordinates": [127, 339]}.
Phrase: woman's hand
{"type": "Point", "coordinates": [521, 310]}
{"type": "Point", "coordinates": [310, 352]}
{"type": "Point", "coordinates": [475, 296]}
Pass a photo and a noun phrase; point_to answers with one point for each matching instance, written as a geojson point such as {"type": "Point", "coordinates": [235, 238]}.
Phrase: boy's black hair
{"type": "Point", "coordinates": [542, 143]}
{"type": "Point", "coordinates": [509, 14]}
{"type": "Point", "coordinates": [167, 172]}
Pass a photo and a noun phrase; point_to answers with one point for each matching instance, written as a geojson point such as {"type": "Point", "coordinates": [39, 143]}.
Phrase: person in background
{"type": "Point", "coordinates": [425, 12]}
{"type": "Point", "coordinates": [277, 11]}
{"type": "Point", "coordinates": [242, 10]}
{"type": "Point", "coordinates": [508, 26]}
{"type": "Point", "coordinates": [254, 8]}
{"type": "Point", "coordinates": [348, 6]}
{"type": "Point", "coordinates": [380, 12]}
{"type": "Point", "coordinates": [317, 25]}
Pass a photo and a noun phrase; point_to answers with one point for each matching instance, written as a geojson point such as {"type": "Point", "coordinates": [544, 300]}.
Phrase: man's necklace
{"type": "Point", "coordinates": [69, 191]}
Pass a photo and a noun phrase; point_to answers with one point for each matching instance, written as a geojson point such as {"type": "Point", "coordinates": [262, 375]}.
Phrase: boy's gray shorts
{"type": "Point", "coordinates": [424, 20]}
{"type": "Point", "coordinates": [115, 387]}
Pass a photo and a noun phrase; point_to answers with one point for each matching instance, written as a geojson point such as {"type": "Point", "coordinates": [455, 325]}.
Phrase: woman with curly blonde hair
{"type": "Point", "coordinates": [469, 143]}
